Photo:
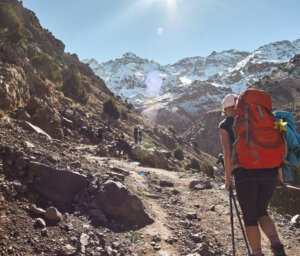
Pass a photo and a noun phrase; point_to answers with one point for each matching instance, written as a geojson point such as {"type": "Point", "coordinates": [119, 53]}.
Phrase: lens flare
{"type": "Point", "coordinates": [153, 82]}
{"type": "Point", "coordinates": [160, 31]}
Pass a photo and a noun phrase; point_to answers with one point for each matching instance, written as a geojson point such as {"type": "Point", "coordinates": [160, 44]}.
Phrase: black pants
{"type": "Point", "coordinates": [254, 190]}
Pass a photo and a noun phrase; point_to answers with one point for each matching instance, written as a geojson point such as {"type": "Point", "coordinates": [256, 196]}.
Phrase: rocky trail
{"type": "Point", "coordinates": [189, 212]}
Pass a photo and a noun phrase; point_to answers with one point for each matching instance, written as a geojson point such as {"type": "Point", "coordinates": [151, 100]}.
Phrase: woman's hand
{"type": "Point", "coordinates": [228, 184]}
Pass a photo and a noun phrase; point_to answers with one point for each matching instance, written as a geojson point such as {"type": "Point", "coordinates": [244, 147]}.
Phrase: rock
{"type": "Point", "coordinates": [98, 215]}
{"type": "Point", "coordinates": [67, 250]}
{"type": "Point", "coordinates": [175, 191]}
{"type": "Point", "coordinates": [109, 250]}
{"type": "Point", "coordinates": [213, 208]}
{"type": "Point", "coordinates": [124, 172]}
{"type": "Point", "coordinates": [53, 214]}
{"type": "Point", "coordinates": [191, 215]}
{"type": "Point", "coordinates": [193, 183]}
{"type": "Point", "coordinates": [116, 201]}
{"type": "Point", "coordinates": [83, 242]}
{"type": "Point", "coordinates": [200, 185]}
{"type": "Point", "coordinates": [21, 163]}
{"type": "Point", "coordinates": [150, 156]}
{"type": "Point", "coordinates": [165, 183]}
{"type": "Point", "coordinates": [116, 245]}
{"type": "Point", "coordinates": [19, 187]}
{"type": "Point", "coordinates": [157, 247]}
{"type": "Point", "coordinates": [40, 223]}
{"type": "Point", "coordinates": [29, 126]}
{"type": "Point", "coordinates": [36, 210]}
{"type": "Point", "coordinates": [196, 238]}
{"type": "Point", "coordinates": [56, 185]}
{"type": "Point", "coordinates": [14, 89]}
{"type": "Point", "coordinates": [295, 221]}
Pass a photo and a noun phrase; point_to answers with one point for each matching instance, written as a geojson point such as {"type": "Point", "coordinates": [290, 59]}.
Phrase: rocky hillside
{"type": "Point", "coordinates": [283, 84]}
{"type": "Point", "coordinates": [188, 88]}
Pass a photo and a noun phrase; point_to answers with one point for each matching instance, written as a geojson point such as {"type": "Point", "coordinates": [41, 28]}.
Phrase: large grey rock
{"type": "Point", "coordinates": [57, 185]}
{"type": "Point", "coordinates": [116, 201]}
{"type": "Point", "coordinates": [150, 156]}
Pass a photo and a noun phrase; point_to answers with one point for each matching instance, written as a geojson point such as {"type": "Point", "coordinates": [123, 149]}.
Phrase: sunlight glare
{"type": "Point", "coordinates": [153, 82]}
{"type": "Point", "coordinates": [160, 31]}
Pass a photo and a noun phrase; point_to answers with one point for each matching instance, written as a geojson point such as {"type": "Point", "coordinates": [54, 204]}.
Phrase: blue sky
{"type": "Point", "coordinates": [166, 30]}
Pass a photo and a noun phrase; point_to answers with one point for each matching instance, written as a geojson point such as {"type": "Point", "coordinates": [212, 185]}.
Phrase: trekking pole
{"type": "Point", "coordinates": [232, 198]}
{"type": "Point", "coordinates": [240, 221]}
{"type": "Point", "coordinates": [231, 220]}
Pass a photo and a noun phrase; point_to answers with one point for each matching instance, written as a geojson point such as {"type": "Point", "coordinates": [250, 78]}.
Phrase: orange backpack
{"type": "Point", "coordinates": [257, 143]}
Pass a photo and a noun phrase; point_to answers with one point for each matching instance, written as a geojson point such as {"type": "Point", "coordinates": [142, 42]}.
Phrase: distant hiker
{"type": "Point", "coordinates": [135, 134]}
{"type": "Point", "coordinates": [100, 134]}
{"type": "Point", "coordinates": [140, 135]}
{"type": "Point", "coordinates": [123, 146]}
{"type": "Point", "coordinates": [254, 185]}
{"type": "Point", "coordinates": [121, 136]}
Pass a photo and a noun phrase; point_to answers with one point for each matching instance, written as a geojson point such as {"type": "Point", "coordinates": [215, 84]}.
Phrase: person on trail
{"type": "Point", "coordinates": [135, 134]}
{"type": "Point", "coordinates": [100, 134]}
{"type": "Point", "coordinates": [254, 187]}
{"type": "Point", "coordinates": [121, 137]}
{"type": "Point", "coordinates": [140, 135]}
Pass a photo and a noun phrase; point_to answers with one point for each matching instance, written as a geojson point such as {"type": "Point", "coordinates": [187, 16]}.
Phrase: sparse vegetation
{"type": "Point", "coordinates": [178, 154]}
{"type": "Point", "coordinates": [10, 25]}
{"type": "Point", "coordinates": [110, 108]}
{"type": "Point", "coordinates": [129, 106]}
{"type": "Point", "coordinates": [73, 88]}
{"type": "Point", "coordinates": [208, 169]}
{"type": "Point", "coordinates": [194, 164]}
{"type": "Point", "coordinates": [287, 200]}
{"type": "Point", "coordinates": [47, 67]}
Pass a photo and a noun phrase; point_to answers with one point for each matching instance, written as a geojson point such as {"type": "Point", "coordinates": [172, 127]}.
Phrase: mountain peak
{"type": "Point", "coordinates": [129, 55]}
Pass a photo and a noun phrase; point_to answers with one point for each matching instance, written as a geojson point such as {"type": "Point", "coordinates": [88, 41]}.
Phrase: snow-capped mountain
{"type": "Point", "coordinates": [179, 93]}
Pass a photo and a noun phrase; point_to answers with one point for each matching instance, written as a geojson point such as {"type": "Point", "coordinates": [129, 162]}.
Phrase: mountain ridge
{"type": "Point", "coordinates": [226, 71]}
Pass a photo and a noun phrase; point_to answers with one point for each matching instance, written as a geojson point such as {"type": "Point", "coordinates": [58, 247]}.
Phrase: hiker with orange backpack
{"type": "Point", "coordinates": [253, 151]}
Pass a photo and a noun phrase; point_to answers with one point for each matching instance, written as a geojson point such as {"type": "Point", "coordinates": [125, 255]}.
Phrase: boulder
{"type": "Point", "coordinates": [14, 91]}
{"type": "Point", "coordinates": [53, 214]}
{"type": "Point", "coordinates": [30, 127]}
{"type": "Point", "coordinates": [117, 202]}
{"type": "Point", "coordinates": [150, 156]}
{"type": "Point", "coordinates": [166, 183]}
{"type": "Point", "coordinates": [200, 184]}
{"type": "Point", "coordinates": [56, 185]}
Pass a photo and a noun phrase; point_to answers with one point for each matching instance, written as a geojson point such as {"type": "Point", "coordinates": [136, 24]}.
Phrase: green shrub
{"type": "Point", "coordinates": [47, 66]}
{"type": "Point", "coordinates": [208, 169]}
{"type": "Point", "coordinates": [129, 106]}
{"type": "Point", "coordinates": [287, 200]}
{"type": "Point", "coordinates": [111, 110]}
{"type": "Point", "coordinates": [194, 164]}
{"type": "Point", "coordinates": [178, 154]}
{"type": "Point", "coordinates": [10, 25]}
{"type": "Point", "coordinates": [73, 88]}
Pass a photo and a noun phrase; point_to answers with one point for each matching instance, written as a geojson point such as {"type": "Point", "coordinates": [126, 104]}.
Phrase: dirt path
{"type": "Point", "coordinates": [170, 210]}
